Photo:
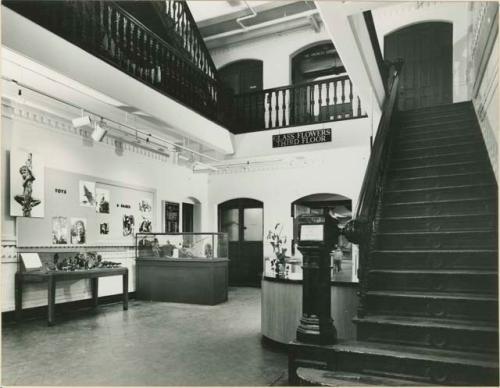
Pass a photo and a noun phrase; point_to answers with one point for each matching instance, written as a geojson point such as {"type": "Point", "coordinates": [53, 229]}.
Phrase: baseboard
{"type": "Point", "coordinates": [40, 312]}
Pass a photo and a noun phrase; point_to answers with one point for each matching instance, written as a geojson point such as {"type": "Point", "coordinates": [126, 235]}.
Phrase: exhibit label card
{"type": "Point", "coordinates": [31, 261]}
{"type": "Point", "coordinates": [311, 232]}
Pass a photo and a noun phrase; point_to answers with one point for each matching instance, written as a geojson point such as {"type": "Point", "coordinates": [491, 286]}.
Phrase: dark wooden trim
{"type": "Point", "coordinates": [372, 32]}
{"type": "Point", "coordinates": [75, 307]}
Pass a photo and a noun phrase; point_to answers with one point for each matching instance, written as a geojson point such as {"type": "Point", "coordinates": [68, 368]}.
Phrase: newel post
{"type": "Point", "coordinates": [317, 236]}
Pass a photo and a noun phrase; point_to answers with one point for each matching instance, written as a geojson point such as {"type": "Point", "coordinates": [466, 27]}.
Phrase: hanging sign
{"type": "Point", "coordinates": [301, 138]}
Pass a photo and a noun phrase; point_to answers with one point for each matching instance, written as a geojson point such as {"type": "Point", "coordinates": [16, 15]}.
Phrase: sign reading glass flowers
{"type": "Point", "coordinates": [302, 138]}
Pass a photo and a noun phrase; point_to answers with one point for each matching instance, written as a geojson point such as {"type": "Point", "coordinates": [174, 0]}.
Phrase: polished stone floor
{"type": "Point", "coordinates": [152, 343]}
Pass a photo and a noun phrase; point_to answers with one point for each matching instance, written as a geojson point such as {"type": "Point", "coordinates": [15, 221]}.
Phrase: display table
{"type": "Point", "coordinates": [184, 280]}
{"type": "Point", "coordinates": [52, 277]}
{"type": "Point", "coordinates": [282, 308]}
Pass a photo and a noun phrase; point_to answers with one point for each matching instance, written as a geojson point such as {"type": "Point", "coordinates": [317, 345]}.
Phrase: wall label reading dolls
{"type": "Point", "coordinates": [302, 138]}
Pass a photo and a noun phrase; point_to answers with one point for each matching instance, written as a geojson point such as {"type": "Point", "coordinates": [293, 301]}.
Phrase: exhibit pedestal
{"type": "Point", "coordinates": [197, 281]}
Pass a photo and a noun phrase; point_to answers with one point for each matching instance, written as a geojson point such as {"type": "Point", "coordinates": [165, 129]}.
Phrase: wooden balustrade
{"type": "Point", "coordinates": [106, 30]}
{"type": "Point", "coordinates": [183, 68]}
{"type": "Point", "coordinates": [330, 99]}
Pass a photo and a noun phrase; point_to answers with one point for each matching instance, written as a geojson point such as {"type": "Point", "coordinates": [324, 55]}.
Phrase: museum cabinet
{"type": "Point", "coordinates": [182, 267]}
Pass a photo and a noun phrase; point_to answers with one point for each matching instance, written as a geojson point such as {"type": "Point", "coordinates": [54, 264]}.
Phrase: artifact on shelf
{"type": "Point", "coordinates": [80, 262]}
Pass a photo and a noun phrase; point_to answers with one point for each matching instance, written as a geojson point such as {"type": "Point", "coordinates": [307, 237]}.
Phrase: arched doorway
{"type": "Point", "coordinates": [427, 75]}
{"type": "Point", "coordinates": [340, 207]}
{"type": "Point", "coordinates": [240, 78]}
{"type": "Point", "coordinates": [313, 101]}
{"type": "Point", "coordinates": [243, 221]}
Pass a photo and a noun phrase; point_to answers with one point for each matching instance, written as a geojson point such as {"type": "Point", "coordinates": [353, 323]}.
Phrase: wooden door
{"type": "Point", "coordinates": [242, 220]}
{"type": "Point", "coordinates": [427, 75]}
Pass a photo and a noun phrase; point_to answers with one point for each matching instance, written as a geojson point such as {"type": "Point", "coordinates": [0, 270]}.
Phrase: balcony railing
{"type": "Point", "coordinates": [106, 30]}
{"type": "Point", "coordinates": [330, 99]}
{"type": "Point", "coordinates": [186, 72]}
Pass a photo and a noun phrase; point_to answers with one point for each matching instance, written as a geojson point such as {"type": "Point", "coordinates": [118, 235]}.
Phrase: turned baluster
{"type": "Point", "coordinates": [343, 98]}
{"type": "Point", "coordinates": [350, 99]}
{"type": "Point", "coordinates": [335, 110]}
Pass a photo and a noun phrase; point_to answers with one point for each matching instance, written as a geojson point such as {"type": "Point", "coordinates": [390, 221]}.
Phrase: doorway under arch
{"type": "Point", "coordinates": [243, 221]}
{"type": "Point", "coordinates": [427, 74]}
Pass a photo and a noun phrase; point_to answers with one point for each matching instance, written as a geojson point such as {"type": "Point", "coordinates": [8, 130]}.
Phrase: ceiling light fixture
{"type": "Point", "coordinates": [81, 122]}
{"type": "Point", "coordinates": [99, 131]}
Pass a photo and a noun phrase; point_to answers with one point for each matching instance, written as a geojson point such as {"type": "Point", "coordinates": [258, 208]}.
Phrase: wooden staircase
{"type": "Point", "coordinates": [430, 289]}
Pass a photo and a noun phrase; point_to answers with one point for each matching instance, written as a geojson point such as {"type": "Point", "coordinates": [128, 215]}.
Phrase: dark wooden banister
{"type": "Point", "coordinates": [360, 229]}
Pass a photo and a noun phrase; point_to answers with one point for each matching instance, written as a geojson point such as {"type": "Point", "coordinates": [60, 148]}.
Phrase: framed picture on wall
{"type": "Point", "coordinates": [171, 217]}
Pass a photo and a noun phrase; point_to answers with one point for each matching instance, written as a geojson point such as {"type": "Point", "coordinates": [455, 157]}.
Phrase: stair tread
{"type": "Point", "coordinates": [439, 188]}
{"type": "Point", "coordinates": [423, 157]}
{"type": "Point", "coordinates": [406, 149]}
{"type": "Point", "coordinates": [461, 324]}
{"type": "Point", "coordinates": [440, 176]}
{"type": "Point", "coordinates": [405, 251]}
{"type": "Point", "coordinates": [391, 218]}
{"type": "Point", "coordinates": [437, 201]}
{"type": "Point", "coordinates": [327, 378]}
{"type": "Point", "coordinates": [419, 353]}
{"type": "Point", "coordinates": [411, 168]}
{"type": "Point", "coordinates": [402, 140]}
{"type": "Point", "coordinates": [415, 125]}
{"type": "Point", "coordinates": [436, 271]}
{"type": "Point", "coordinates": [436, 295]}
{"type": "Point", "coordinates": [450, 232]}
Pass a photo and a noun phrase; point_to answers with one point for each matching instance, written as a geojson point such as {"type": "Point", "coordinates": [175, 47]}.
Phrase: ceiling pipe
{"type": "Point", "coordinates": [263, 25]}
{"type": "Point", "coordinates": [120, 125]}
{"type": "Point", "coordinates": [241, 19]}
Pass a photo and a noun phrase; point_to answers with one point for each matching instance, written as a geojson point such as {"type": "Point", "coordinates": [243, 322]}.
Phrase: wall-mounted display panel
{"type": "Point", "coordinates": [84, 210]}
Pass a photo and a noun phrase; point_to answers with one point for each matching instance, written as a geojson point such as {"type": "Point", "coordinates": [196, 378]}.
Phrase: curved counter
{"type": "Point", "coordinates": [282, 308]}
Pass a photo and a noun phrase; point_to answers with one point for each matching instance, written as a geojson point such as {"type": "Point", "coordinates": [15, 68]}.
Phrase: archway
{"type": "Point", "coordinates": [427, 74]}
{"type": "Point", "coordinates": [243, 221]}
{"type": "Point", "coordinates": [337, 206]}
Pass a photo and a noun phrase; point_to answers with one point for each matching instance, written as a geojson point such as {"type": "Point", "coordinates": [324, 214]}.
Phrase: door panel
{"type": "Point", "coordinates": [242, 219]}
{"type": "Point", "coordinates": [427, 51]}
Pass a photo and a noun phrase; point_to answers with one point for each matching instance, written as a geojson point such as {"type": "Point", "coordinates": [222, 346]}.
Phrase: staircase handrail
{"type": "Point", "coordinates": [360, 229]}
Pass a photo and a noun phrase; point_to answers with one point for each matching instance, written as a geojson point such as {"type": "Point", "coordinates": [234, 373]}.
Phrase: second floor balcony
{"type": "Point", "coordinates": [185, 71]}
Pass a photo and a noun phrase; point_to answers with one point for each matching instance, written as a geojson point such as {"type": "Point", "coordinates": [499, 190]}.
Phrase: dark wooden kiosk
{"type": "Point", "coordinates": [182, 267]}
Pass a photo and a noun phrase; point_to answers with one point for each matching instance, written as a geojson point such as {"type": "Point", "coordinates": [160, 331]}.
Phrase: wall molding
{"type": "Point", "coordinates": [43, 119]}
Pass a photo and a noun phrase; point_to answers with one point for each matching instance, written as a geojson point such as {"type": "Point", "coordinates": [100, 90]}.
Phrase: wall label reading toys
{"type": "Point", "coordinates": [301, 138]}
{"type": "Point", "coordinates": [61, 191]}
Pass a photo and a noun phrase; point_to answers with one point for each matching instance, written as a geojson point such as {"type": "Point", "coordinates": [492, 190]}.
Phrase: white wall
{"type": "Point", "coordinates": [391, 18]}
{"type": "Point", "coordinates": [336, 171]}
{"type": "Point", "coordinates": [483, 78]}
{"type": "Point", "coordinates": [275, 51]}
{"type": "Point", "coordinates": [70, 152]}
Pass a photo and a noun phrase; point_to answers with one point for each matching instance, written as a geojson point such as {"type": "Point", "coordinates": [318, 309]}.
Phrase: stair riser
{"type": "Point", "coordinates": [456, 240]}
{"type": "Point", "coordinates": [441, 260]}
{"type": "Point", "coordinates": [407, 136]}
{"type": "Point", "coordinates": [437, 119]}
{"type": "Point", "coordinates": [425, 371]}
{"type": "Point", "coordinates": [438, 282]}
{"type": "Point", "coordinates": [440, 194]}
{"type": "Point", "coordinates": [435, 142]}
{"type": "Point", "coordinates": [438, 224]}
{"type": "Point", "coordinates": [440, 159]}
{"type": "Point", "coordinates": [433, 126]}
{"type": "Point", "coordinates": [415, 152]}
{"type": "Point", "coordinates": [440, 208]}
{"type": "Point", "coordinates": [433, 307]}
{"type": "Point", "coordinates": [437, 110]}
{"type": "Point", "coordinates": [431, 337]}
{"type": "Point", "coordinates": [435, 182]}
{"type": "Point", "coordinates": [437, 170]}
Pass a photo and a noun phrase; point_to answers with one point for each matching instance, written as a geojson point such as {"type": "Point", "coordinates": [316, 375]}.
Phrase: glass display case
{"type": "Point", "coordinates": [181, 245]}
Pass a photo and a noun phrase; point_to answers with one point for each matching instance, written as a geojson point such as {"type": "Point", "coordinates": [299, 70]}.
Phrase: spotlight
{"type": "Point", "coordinates": [82, 122]}
{"type": "Point", "coordinates": [99, 131]}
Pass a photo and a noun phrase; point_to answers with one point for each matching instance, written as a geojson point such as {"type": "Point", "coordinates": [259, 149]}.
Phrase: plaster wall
{"type": "Point", "coordinates": [73, 153]}
{"type": "Point", "coordinates": [391, 18]}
